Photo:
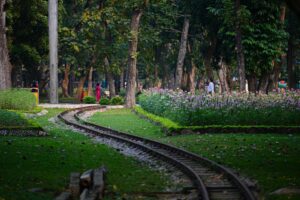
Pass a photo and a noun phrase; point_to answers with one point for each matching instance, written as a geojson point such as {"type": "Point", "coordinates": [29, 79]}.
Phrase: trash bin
{"type": "Point", "coordinates": [35, 91]}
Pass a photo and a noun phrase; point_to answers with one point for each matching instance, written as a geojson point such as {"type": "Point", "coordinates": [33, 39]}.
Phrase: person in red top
{"type": "Point", "coordinates": [98, 92]}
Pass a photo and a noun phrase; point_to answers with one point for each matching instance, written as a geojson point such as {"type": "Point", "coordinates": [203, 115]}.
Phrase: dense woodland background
{"type": "Point", "coordinates": [154, 43]}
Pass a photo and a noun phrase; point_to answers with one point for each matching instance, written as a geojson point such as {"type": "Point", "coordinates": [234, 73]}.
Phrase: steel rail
{"type": "Point", "coordinates": [202, 192]}
{"type": "Point", "coordinates": [245, 191]}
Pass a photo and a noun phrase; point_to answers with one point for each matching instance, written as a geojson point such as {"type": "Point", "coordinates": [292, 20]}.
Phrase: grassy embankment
{"type": "Point", "coordinates": [271, 159]}
{"type": "Point", "coordinates": [46, 162]}
{"type": "Point", "coordinates": [9, 119]}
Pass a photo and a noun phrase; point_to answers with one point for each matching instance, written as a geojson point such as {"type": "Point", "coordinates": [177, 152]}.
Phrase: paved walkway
{"type": "Point", "coordinates": [69, 105]}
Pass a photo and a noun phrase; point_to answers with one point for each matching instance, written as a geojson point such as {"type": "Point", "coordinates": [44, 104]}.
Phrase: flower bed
{"type": "Point", "coordinates": [239, 110]}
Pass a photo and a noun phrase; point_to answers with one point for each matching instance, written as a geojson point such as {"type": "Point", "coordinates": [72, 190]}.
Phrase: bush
{"type": "Point", "coordinates": [122, 92]}
{"type": "Point", "coordinates": [117, 100]}
{"type": "Point", "coordinates": [104, 101]}
{"type": "Point", "coordinates": [89, 100]}
{"type": "Point", "coordinates": [235, 109]}
{"type": "Point", "coordinates": [17, 99]}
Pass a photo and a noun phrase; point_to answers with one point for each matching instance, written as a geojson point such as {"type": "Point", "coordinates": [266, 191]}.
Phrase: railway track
{"type": "Point", "coordinates": [211, 180]}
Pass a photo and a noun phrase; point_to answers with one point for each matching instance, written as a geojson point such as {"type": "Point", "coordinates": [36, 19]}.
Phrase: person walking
{"type": "Point", "coordinates": [211, 87]}
{"type": "Point", "coordinates": [98, 92]}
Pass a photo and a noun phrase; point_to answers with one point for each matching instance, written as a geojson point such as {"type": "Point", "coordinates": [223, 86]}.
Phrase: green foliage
{"type": "Point", "coordinates": [27, 23]}
{"type": "Point", "coordinates": [164, 122]}
{"type": "Point", "coordinates": [17, 99]}
{"type": "Point", "coordinates": [117, 100]}
{"type": "Point", "coordinates": [263, 35]}
{"type": "Point", "coordinates": [10, 119]}
{"type": "Point", "coordinates": [104, 101]}
{"type": "Point", "coordinates": [122, 92]}
{"type": "Point", "coordinates": [89, 100]}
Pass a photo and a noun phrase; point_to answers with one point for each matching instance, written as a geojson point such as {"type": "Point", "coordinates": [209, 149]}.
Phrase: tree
{"type": "Point", "coordinates": [293, 24]}
{"type": "Point", "coordinates": [132, 58]}
{"type": "Point", "coordinates": [182, 52]}
{"type": "Point", "coordinates": [27, 35]}
{"type": "Point", "coordinates": [53, 37]}
{"type": "Point", "coordinates": [5, 65]}
{"type": "Point", "coordinates": [239, 47]}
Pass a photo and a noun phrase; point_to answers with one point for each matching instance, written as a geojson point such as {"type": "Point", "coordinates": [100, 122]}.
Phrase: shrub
{"type": "Point", "coordinates": [89, 100]}
{"type": "Point", "coordinates": [104, 101]}
{"type": "Point", "coordinates": [236, 109]}
{"type": "Point", "coordinates": [17, 99]}
{"type": "Point", "coordinates": [117, 100]}
{"type": "Point", "coordinates": [122, 92]}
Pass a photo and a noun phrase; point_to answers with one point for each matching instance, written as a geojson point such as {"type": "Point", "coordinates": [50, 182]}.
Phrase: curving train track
{"type": "Point", "coordinates": [211, 180]}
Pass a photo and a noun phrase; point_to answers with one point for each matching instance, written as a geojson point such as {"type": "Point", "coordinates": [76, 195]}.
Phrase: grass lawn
{"type": "Point", "coordinates": [271, 159]}
{"type": "Point", "coordinates": [10, 119]}
{"type": "Point", "coordinates": [46, 162]}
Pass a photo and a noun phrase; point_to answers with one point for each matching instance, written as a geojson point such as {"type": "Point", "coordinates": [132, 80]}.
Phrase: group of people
{"type": "Point", "coordinates": [97, 93]}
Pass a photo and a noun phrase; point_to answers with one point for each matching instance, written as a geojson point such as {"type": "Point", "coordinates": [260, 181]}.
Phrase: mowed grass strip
{"type": "Point", "coordinates": [46, 163]}
{"type": "Point", "coordinates": [271, 159]}
{"type": "Point", "coordinates": [10, 119]}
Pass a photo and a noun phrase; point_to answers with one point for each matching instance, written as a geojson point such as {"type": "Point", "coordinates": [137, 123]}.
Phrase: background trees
{"type": "Point", "coordinates": [170, 43]}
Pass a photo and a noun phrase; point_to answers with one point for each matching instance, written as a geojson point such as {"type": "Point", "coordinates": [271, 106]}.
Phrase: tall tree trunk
{"type": "Point", "coordinates": [122, 78]}
{"type": "Point", "coordinates": [110, 79]}
{"type": "Point", "coordinates": [239, 48]}
{"type": "Point", "coordinates": [65, 82]}
{"type": "Point", "coordinates": [222, 77]}
{"type": "Point", "coordinates": [252, 83]}
{"type": "Point", "coordinates": [44, 80]}
{"type": "Point", "coordinates": [165, 76]}
{"type": "Point", "coordinates": [132, 59]}
{"type": "Point", "coordinates": [208, 57]}
{"type": "Point", "coordinates": [182, 52]}
{"type": "Point", "coordinates": [264, 83]}
{"type": "Point", "coordinates": [277, 65]}
{"type": "Point", "coordinates": [191, 79]}
{"type": "Point", "coordinates": [291, 64]}
{"type": "Point", "coordinates": [165, 65]}
{"type": "Point", "coordinates": [71, 82]}
{"type": "Point", "coordinates": [184, 80]}
{"type": "Point", "coordinates": [221, 80]}
{"type": "Point", "coordinates": [90, 82]}
{"type": "Point", "coordinates": [228, 78]}
{"type": "Point", "coordinates": [225, 75]}
{"type": "Point", "coordinates": [158, 65]}
{"type": "Point", "coordinates": [53, 37]}
{"type": "Point", "coordinates": [80, 86]}
{"type": "Point", "coordinates": [5, 65]}
{"type": "Point", "coordinates": [191, 73]}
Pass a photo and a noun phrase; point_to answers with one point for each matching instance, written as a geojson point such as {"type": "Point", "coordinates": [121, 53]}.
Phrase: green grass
{"type": "Point", "coordinates": [171, 128]}
{"type": "Point", "coordinates": [271, 159]}
{"type": "Point", "coordinates": [9, 119]}
{"type": "Point", "coordinates": [46, 162]}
